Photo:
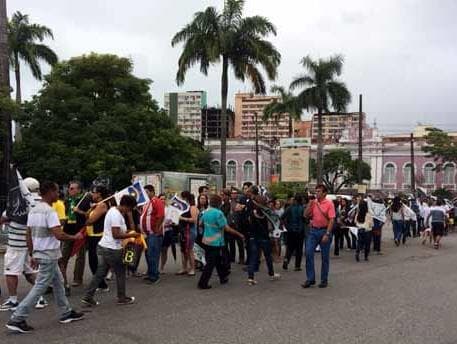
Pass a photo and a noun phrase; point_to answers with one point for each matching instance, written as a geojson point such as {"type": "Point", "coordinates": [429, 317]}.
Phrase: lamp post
{"type": "Point", "coordinates": [257, 179]}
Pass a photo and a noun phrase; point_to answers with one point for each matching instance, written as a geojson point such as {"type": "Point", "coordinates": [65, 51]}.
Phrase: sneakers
{"type": "Point", "coordinates": [151, 281]}
{"type": "Point", "coordinates": [275, 277]}
{"type": "Point", "coordinates": [102, 290]}
{"type": "Point", "coordinates": [308, 284]}
{"type": "Point", "coordinates": [73, 316]}
{"type": "Point", "coordinates": [128, 300]}
{"type": "Point", "coordinates": [42, 303]}
{"type": "Point", "coordinates": [9, 306]}
{"type": "Point", "coordinates": [19, 326]}
{"type": "Point", "coordinates": [252, 281]}
{"type": "Point", "coordinates": [89, 301]}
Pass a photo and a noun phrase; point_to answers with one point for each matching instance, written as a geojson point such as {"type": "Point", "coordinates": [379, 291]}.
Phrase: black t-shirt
{"type": "Point", "coordinates": [81, 219]}
{"type": "Point", "coordinates": [258, 225]}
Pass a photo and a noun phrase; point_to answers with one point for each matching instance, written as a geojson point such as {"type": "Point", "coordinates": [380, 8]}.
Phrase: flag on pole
{"type": "Point", "coordinates": [136, 190]}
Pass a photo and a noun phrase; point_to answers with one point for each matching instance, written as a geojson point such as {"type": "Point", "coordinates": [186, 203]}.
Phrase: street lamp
{"type": "Point", "coordinates": [257, 179]}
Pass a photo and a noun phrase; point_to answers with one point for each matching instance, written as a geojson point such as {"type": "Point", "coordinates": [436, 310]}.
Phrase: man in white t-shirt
{"type": "Point", "coordinates": [109, 251]}
{"type": "Point", "coordinates": [44, 233]}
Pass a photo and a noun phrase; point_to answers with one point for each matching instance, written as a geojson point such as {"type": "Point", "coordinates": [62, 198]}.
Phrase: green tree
{"type": "Point", "coordinates": [441, 146]}
{"type": "Point", "coordinates": [94, 118]}
{"type": "Point", "coordinates": [340, 170]}
{"type": "Point", "coordinates": [285, 190]}
{"type": "Point", "coordinates": [22, 42]}
{"type": "Point", "coordinates": [236, 41]}
{"type": "Point", "coordinates": [322, 89]}
{"type": "Point", "coordinates": [287, 105]}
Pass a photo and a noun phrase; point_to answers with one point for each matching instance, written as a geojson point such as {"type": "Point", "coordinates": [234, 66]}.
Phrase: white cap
{"type": "Point", "coordinates": [32, 184]}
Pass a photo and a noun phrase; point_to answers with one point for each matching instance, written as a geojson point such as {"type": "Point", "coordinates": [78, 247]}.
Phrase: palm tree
{"type": "Point", "coordinates": [287, 105]}
{"type": "Point", "coordinates": [321, 89]}
{"type": "Point", "coordinates": [236, 41]}
{"type": "Point", "coordinates": [22, 37]}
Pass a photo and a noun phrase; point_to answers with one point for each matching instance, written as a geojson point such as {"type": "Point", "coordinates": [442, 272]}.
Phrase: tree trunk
{"type": "Point", "coordinates": [291, 126]}
{"type": "Point", "coordinates": [319, 147]}
{"type": "Point", "coordinates": [17, 73]}
{"type": "Point", "coordinates": [224, 92]}
{"type": "Point", "coordinates": [5, 123]}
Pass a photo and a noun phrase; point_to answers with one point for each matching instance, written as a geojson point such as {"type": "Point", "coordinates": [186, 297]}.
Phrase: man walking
{"type": "Point", "coordinates": [321, 211]}
{"type": "Point", "coordinates": [43, 235]}
{"type": "Point", "coordinates": [151, 224]}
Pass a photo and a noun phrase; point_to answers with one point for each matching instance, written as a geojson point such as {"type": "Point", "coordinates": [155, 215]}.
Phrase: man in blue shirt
{"type": "Point", "coordinates": [214, 224]}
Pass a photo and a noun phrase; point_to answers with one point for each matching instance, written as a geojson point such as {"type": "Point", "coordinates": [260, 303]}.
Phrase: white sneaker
{"type": "Point", "coordinates": [275, 277]}
{"type": "Point", "coordinates": [9, 306]}
{"type": "Point", "coordinates": [42, 303]}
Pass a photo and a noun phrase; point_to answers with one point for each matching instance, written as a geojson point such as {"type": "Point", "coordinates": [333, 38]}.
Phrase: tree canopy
{"type": "Point", "coordinates": [441, 146]}
{"type": "Point", "coordinates": [340, 170]}
{"type": "Point", "coordinates": [93, 118]}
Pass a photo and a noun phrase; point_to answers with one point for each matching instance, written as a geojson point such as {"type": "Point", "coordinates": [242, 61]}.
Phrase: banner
{"type": "Point", "coordinates": [176, 208]}
{"type": "Point", "coordinates": [378, 210]}
{"type": "Point", "coordinates": [136, 190]}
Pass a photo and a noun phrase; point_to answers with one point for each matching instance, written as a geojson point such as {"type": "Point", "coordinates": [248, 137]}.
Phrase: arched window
{"type": "Point", "coordinates": [429, 174]}
{"type": "Point", "coordinates": [231, 171]}
{"type": "Point", "coordinates": [389, 173]}
{"type": "Point", "coordinates": [216, 167]}
{"type": "Point", "coordinates": [407, 174]}
{"type": "Point", "coordinates": [449, 174]}
{"type": "Point", "coordinates": [248, 170]}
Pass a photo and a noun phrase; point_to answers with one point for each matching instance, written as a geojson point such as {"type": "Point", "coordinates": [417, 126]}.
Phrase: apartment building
{"type": "Point", "coordinates": [185, 109]}
{"type": "Point", "coordinates": [211, 123]}
{"type": "Point", "coordinates": [248, 109]}
{"type": "Point", "coordinates": [334, 123]}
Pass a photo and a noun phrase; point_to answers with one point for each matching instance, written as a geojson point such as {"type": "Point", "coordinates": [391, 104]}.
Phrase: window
{"type": "Point", "coordinates": [216, 167]}
{"type": "Point", "coordinates": [429, 174]}
{"type": "Point", "coordinates": [248, 171]}
{"type": "Point", "coordinates": [231, 171]}
{"type": "Point", "coordinates": [449, 174]}
{"type": "Point", "coordinates": [389, 173]}
{"type": "Point", "coordinates": [407, 174]}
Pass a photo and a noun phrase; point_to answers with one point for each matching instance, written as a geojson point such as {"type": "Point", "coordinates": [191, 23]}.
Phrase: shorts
{"type": "Point", "coordinates": [17, 262]}
{"type": "Point", "coordinates": [438, 228]}
{"type": "Point", "coordinates": [167, 239]}
{"type": "Point", "coordinates": [188, 239]}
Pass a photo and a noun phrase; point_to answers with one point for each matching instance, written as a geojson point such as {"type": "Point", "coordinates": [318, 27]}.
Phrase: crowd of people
{"type": "Point", "coordinates": [232, 226]}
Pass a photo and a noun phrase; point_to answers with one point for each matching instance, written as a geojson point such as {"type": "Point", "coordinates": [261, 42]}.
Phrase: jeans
{"type": "Point", "coordinates": [233, 242]}
{"type": "Point", "coordinates": [398, 228]}
{"type": "Point", "coordinates": [48, 274]}
{"type": "Point", "coordinates": [377, 235]}
{"type": "Point", "coordinates": [363, 242]}
{"type": "Point", "coordinates": [214, 259]}
{"type": "Point", "coordinates": [108, 259]}
{"type": "Point", "coordinates": [255, 245]}
{"type": "Point", "coordinates": [338, 239]}
{"type": "Point", "coordinates": [314, 238]}
{"type": "Point", "coordinates": [153, 255]}
{"type": "Point", "coordinates": [345, 235]}
{"type": "Point", "coordinates": [294, 244]}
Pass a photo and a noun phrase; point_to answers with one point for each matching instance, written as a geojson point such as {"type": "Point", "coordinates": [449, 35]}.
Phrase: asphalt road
{"type": "Point", "coordinates": [407, 295]}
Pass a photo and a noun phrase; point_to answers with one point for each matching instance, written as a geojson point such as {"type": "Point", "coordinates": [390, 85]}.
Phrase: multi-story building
{"type": "Point", "coordinates": [185, 109]}
{"type": "Point", "coordinates": [249, 109]}
{"type": "Point", "coordinates": [211, 123]}
{"type": "Point", "coordinates": [302, 128]}
{"type": "Point", "coordinates": [333, 125]}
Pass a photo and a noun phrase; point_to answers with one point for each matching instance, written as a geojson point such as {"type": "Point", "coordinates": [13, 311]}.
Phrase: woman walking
{"type": "Point", "coordinates": [364, 223]}
{"type": "Point", "coordinates": [398, 219]}
{"type": "Point", "coordinates": [188, 232]}
{"type": "Point", "coordinates": [438, 218]}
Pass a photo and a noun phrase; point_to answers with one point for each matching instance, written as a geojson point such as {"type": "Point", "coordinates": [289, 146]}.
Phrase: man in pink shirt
{"type": "Point", "coordinates": [321, 212]}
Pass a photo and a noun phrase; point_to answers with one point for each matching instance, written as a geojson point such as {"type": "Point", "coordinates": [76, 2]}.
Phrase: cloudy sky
{"type": "Point", "coordinates": [400, 54]}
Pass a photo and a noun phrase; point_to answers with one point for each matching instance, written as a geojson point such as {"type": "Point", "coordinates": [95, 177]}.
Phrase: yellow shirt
{"type": "Point", "coordinates": [59, 207]}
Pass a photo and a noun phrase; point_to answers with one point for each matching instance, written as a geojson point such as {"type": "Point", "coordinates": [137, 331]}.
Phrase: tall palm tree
{"type": "Point", "coordinates": [286, 105]}
{"type": "Point", "coordinates": [236, 41]}
{"type": "Point", "coordinates": [320, 89]}
{"type": "Point", "coordinates": [22, 41]}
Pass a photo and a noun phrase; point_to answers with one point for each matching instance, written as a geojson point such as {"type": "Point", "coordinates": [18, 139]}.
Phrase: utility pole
{"type": "Point", "coordinates": [5, 116]}
{"type": "Point", "coordinates": [359, 166]}
{"type": "Point", "coordinates": [413, 172]}
{"type": "Point", "coordinates": [257, 179]}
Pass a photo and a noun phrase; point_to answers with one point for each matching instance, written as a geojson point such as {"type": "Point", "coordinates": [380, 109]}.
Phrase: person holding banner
{"type": "Point", "coordinates": [322, 214]}
{"type": "Point", "coordinates": [109, 252]}
{"type": "Point", "coordinates": [188, 235]}
{"type": "Point", "coordinates": [94, 227]}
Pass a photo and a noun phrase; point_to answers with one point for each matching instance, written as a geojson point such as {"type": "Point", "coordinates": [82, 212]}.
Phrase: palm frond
{"type": "Point", "coordinates": [339, 95]}
{"type": "Point", "coordinates": [258, 26]}
{"type": "Point", "coordinates": [302, 81]}
{"type": "Point", "coordinates": [256, 78]}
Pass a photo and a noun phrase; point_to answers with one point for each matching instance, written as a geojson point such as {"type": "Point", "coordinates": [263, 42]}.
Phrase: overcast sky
{"type": "Point", "coordinates": [400, 54]}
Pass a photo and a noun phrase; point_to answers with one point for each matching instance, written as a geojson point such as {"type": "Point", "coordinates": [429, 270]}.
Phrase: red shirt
{"type": "Point", "coordinates": [318, 220]}
{"type": "Point", "coordinates": [153, 211]}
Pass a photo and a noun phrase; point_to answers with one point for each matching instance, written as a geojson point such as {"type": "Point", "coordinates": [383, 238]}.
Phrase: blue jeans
{"type": "Point", "coordinates": [255, 245]}
{"type": "Point", "coordinates": [398, 227]}
{"type": "Point", "coordinates": [48, 274]}
{"type": "Point", "coordinates": [153, 255]}
{"type": "Point", "coordinates": [314, 238]}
